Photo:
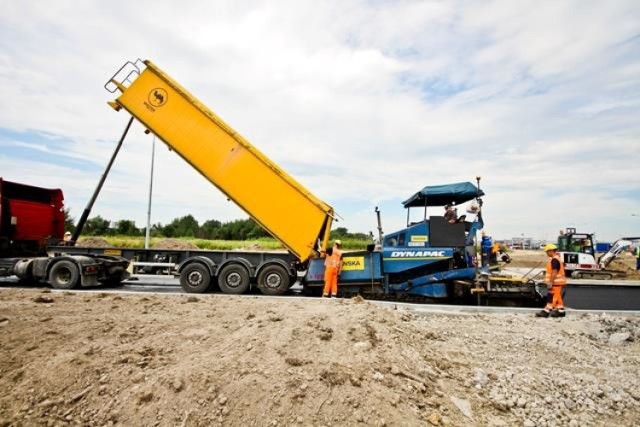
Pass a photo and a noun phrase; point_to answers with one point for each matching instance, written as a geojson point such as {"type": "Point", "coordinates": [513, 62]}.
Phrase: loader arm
{"type": "Point", "coordinates": [616, 249]}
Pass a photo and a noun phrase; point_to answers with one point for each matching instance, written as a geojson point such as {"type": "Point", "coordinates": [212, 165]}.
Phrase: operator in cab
{"type": "Point", "coordinates": [555, 280]}
{"type": "Point", "coordinates": [332, 269]}
{"type": "Point", "coordinates": [450, 214]}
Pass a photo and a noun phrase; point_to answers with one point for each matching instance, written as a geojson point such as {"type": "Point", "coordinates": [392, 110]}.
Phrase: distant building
{"type": "Point", "coordinates": [523, 243]}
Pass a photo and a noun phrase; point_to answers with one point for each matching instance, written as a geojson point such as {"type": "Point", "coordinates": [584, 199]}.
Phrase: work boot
{"type": "Point", "coordinates": [558, 313]}
{"type": "Point", "coordinates": [542, 313]}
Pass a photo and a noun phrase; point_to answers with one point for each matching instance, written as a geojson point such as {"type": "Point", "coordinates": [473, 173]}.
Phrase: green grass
{"type": "Point", "coordinates": [267, 244]}
{"type": "Point", "coordinates": [354, 244]}
{"type": "Point", "coordinates": [226, 245]}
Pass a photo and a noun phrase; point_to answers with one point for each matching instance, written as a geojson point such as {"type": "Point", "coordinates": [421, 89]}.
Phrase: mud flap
{"type": "Point", "coordinates": [88, 280]}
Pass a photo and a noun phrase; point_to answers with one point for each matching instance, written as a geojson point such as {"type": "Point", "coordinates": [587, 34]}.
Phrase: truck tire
{"type": "Point", "coordinates": [64, 275]}
{"type": "Point", "coordinates": [233, 279]}
{"type": "Point", "coordinates": [273, 280]}
{"type": "Point", "coordinates": [195, 278]}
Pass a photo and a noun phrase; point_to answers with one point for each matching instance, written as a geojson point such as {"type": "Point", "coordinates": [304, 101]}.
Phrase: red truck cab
{"type": "Point", "coordinates": [30, 218]}
{"type": "Point", "coordinates": [32, 227]}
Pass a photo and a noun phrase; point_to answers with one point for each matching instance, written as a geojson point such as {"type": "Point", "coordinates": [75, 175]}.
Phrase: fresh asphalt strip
{"type": "Point", "coordinates": [171, 290]}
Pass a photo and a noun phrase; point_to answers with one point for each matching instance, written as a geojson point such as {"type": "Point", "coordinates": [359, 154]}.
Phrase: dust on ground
{"type": "Point", "coordinates": [93, 242]}
{"type": "Point", "coordinates": [180, 360]}
{"type": "Point", "coordinates": [175, 244]}
{"type": "Point", "coordinates": [255, 247]}
{"type": "Point", "coordinates": [180, 244]}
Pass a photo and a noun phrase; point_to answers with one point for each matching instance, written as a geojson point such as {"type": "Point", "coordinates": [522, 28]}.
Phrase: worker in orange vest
{"type": "Point", "coordinates": [332, 269]}
{"type": "Point", "coordinates": [495, 250]}
{"type": "Point", "coordinates": [556, 281]}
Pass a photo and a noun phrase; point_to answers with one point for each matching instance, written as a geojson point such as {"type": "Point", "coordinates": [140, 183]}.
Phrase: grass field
{"type": "Point", "coordinates": [190, 242]}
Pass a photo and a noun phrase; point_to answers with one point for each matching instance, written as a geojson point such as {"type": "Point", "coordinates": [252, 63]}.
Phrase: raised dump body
{"type": "Point", "coordinates": [282, 206]}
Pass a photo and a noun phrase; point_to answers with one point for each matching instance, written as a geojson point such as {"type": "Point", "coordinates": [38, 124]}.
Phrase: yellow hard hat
{"type": "Point", "coordinates": [338, 242]}
{"type": "Point", "coordinates": [550, 247]}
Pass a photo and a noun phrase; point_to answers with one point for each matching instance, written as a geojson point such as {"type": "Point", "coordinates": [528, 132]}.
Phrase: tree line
{"type": "Point", "coordinates": [188, 226]}
{"type": "Point", "coordinates": [185, 226]}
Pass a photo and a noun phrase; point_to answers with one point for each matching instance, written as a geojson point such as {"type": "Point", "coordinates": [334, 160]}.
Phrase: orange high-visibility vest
{"type": "Point", "coordinates": [333, 260]}
{"type": "Point", "coordinates": [560, 279]}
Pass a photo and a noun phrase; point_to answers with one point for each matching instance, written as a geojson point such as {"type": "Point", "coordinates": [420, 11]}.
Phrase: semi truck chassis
{"type": "Point", "coordinates": [232, 272]}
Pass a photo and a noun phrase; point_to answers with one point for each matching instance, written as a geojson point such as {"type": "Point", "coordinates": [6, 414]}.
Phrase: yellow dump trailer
{"type": "Point", "coordinates": [269, 195]}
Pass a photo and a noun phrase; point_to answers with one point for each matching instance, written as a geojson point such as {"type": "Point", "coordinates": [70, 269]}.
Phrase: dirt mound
{"type": "Point", "coordinates": [627, 264]}
{"type": "Point", "coordinates": [174, 244]}
{"type": "Point", "coordinates": [254, 247]}
{"type": "Point", "coordinates": [527, 259]}
{"type": "Point", "coordinates": [102, 359]}
{"type": "Point", "coordinates": [93, 242]}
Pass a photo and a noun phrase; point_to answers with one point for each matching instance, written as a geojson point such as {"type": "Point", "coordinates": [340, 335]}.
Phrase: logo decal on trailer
{"type": "Point", "coordinates": [353, 263]}
{"type": "Point", "coordinates": [158, 97]}
{"type": "Point", "coordinates": [418, 254]}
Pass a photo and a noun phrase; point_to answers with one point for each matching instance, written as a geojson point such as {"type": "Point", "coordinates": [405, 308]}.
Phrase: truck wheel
{"type": "Point", "coordinates": [273, 280]}
{"type": "Point", "coordinates": [64, 275]}
{"type": "Point", "coordinates": [233, 279]}
{"type": "Point", "coordinates": [195, 278]}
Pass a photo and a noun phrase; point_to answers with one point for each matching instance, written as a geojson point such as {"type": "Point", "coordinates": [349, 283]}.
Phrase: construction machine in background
{"type": "Point", "coordinates": [578, 253]}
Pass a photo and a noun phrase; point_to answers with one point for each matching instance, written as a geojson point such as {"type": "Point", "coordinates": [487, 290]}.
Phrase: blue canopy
{"type": "Point", "coordinates": [440, 195]}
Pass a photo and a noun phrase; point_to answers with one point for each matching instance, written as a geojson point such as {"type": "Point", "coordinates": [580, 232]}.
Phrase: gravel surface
{"type": "Point", "coordinates": [180, 360]}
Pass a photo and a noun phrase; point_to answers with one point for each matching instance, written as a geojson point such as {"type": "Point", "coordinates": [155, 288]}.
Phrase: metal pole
{"type": "Point", "coordinates": [153, 155]}
{"type": "Point", "coordinates": [475, 239]}
{"type": "Point", "coordinates": [425, 206]}
{"type": "Point", "coordinates": [380, 233]}
{"type": "Point", "coordinates": [87, 210]}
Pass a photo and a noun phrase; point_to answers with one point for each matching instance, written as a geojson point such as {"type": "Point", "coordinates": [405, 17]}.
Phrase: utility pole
{"type": "Point", "coordinates": [153, 155]}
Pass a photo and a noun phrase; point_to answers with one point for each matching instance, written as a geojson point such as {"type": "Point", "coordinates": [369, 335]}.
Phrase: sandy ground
{"type": "Point", "coordinates": [178, 360]}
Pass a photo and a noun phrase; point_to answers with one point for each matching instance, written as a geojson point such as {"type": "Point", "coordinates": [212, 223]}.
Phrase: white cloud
{"type": "Point", "coordinates": [363, 102]}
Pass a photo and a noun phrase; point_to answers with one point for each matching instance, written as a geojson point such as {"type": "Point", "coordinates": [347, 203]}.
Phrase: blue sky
{"type": "Point", "coordinates": [363, 102]}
